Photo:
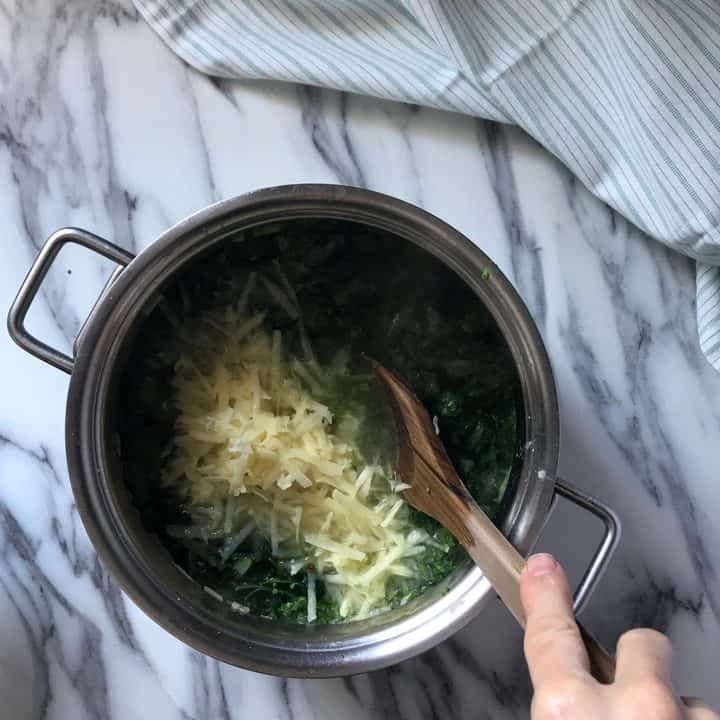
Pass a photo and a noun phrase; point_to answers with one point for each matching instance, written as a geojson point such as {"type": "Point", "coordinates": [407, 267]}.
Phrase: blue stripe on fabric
{"type": "Point", "coordinates": [626, 92]}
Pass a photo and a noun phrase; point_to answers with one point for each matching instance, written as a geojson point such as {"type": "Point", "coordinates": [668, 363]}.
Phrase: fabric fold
{"type": "Point", "coordinates": [625, 92]}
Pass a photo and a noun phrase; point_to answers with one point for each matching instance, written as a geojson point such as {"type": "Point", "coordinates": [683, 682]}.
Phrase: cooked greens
{"type": "Point", "coordinates": [355, 291]}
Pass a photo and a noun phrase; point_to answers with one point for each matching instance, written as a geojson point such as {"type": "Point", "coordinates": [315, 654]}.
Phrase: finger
{"type": "Point", "coordinates": [698, 710]}
{"type": "Point", "coordinates": [553, 646]}
{"type": "Point", "coordinates": [643, 654]}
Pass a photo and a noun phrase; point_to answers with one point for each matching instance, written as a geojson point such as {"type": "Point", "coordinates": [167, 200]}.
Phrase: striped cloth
{"type": "Point", "coordinates": [625, 92]}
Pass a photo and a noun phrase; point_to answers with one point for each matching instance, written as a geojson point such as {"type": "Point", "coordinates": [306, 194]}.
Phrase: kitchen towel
{"type": "Point", "coordinates": [625, 92]}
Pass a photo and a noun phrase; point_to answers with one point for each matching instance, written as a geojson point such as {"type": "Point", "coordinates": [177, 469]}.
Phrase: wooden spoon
{"type": "Point", "coordinates": [436, 490]}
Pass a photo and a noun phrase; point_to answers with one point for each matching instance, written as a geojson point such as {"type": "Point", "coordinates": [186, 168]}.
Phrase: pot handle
{"type": "Point", "coordinates": [606, 547]}
{"type": "Point", "coordinates": [31, 285]}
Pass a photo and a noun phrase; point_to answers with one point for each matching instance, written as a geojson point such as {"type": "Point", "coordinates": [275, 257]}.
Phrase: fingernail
{"type": "Point", "coordinates": [541, 564]}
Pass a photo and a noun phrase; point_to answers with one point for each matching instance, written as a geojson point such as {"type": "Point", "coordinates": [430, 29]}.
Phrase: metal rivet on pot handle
{"type": "Point", "coordinates": [607, 545]}
{"type": "Point", "coordinates": [31, 285]}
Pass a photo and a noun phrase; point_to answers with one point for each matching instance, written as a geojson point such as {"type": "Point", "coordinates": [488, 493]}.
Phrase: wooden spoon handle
{"type": "Point", "coordinates": [502, 565]}
{"type": "Point", "coordinates": [500, 562]}
{"type": "Point", "coordinates": [602, 664]}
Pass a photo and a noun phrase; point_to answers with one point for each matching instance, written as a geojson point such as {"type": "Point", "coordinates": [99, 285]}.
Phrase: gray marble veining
{"type": "Point", "coordinates": [102, 127]}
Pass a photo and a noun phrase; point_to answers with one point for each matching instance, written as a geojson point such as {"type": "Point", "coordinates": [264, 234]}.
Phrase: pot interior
{"type": "Point", "coordinates": [369, 291]}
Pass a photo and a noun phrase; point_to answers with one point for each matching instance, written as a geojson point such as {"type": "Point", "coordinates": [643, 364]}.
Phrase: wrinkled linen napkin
{"type": "Point", "coordinates": [625, 92]}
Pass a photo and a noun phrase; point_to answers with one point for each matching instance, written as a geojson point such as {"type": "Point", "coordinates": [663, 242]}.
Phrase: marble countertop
{"type": "Point", "coordinates": [103, 128]}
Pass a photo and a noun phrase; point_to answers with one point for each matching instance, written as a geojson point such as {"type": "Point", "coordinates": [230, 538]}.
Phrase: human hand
{"type": "Point", "coordinates": [559, 667]}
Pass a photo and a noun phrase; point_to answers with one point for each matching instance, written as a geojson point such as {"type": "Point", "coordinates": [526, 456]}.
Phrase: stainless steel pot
{"type": "Point", "coordinates": [138, 561]}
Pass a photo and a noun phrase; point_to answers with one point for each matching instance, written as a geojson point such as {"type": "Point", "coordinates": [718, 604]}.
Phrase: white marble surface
{"type": "Point", "coordinates": [101, 127]}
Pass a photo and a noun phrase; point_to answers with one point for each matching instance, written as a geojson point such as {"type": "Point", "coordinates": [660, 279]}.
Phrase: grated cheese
{"type": "Point", "coordinates": [258, 452]}
{"type": "Point", "coordinates": [312, 598]}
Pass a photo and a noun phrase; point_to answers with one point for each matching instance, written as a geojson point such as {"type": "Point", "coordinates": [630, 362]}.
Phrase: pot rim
{"type": "Point", "coordinates": [98, 350]}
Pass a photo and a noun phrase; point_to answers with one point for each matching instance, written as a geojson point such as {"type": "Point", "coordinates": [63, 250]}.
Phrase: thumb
{"type": "Point", "coordinates": [553, 646]}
